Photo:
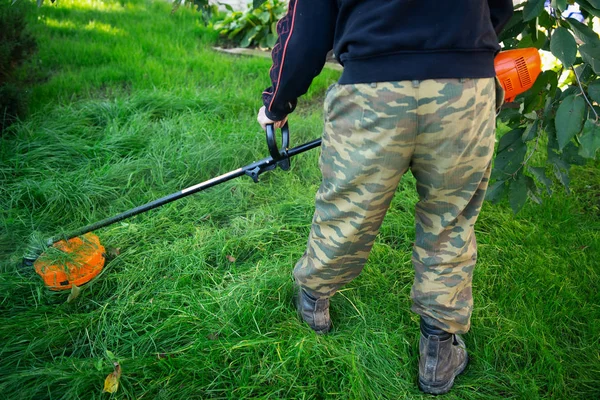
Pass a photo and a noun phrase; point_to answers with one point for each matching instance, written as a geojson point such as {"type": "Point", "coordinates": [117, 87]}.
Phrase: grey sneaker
{"type": "Point", "coordinates": [442, 357]}
{"type": "Point", "coordinates": [315, 312]}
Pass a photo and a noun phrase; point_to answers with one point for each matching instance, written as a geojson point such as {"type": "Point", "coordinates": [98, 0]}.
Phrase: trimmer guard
{"type": "Point", "coordinates": [86, 263]}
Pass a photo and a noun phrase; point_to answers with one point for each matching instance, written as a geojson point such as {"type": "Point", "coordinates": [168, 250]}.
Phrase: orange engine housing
{"type": "Point", "coordinates": [85, 261]}
{"type": "Point", "coordinates": [517, 70]}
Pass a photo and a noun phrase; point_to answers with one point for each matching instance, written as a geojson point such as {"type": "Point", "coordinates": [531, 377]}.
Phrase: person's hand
{"type": "Point", "coordinates": [263, 120]}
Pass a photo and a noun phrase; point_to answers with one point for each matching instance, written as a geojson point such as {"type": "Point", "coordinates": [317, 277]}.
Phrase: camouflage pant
{"type": "Point", "coordinates": [443, 130]}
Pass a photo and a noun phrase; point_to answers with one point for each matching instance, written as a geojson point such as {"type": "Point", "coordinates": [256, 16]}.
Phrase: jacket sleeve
{"type": "Point", "coordinates": [500, 12]}
{"type": "Point", "coordinates": [305, 35]}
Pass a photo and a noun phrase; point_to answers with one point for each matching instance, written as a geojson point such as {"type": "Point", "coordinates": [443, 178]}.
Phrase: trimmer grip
{"type": "Point", "coordinates": [272, 142]}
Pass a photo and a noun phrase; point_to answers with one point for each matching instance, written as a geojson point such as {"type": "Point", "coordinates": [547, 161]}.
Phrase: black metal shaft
{"type": "Point", "coordinates": [253, 170]}
{"type": "Point", "coordinates": [304, 147]}
{"type": "Point", "coordinates": [149, 206]}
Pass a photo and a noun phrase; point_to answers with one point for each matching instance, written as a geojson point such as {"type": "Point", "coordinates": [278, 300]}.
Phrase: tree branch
{"type": "Point", "coordinates": [583, 92]}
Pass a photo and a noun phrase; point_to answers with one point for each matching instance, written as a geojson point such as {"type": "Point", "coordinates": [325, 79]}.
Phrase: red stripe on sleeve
{"type": "Point", "coordinates": [291, 31]}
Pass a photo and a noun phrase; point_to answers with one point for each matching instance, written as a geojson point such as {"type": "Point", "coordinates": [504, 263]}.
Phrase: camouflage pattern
{"type": "Point", "coordinates": [443, 130]}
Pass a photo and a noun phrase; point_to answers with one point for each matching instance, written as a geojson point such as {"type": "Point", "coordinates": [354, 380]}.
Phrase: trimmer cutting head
{"type": "Point", "coordinates": [75, 261]}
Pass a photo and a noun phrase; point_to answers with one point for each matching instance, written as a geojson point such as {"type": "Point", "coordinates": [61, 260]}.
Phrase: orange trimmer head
{"type": "Point", "coordinates": [81, 259]}
{"type": "Point", "coordinates": [517, 70]}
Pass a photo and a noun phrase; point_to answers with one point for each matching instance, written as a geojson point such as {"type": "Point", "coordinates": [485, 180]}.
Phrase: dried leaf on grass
{"type": "Point", "coordinates": [111, 383]}
{"type": "Point", "coordinates": [75, 291]}
{"type": "Point", "coordinates": [231, 258]}
{"type": "Point", "coordinates": [112, 252]}
{"type": "Point", "coordinates": [205, 217]}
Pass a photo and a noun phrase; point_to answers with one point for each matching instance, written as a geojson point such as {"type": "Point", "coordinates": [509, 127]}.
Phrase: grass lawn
{"type": "Point", "coordinates": [133, 104]}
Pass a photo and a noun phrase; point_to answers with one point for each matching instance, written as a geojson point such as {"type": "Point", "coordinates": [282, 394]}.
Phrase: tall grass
{"type": "Point", "coordinates": [197, 301]}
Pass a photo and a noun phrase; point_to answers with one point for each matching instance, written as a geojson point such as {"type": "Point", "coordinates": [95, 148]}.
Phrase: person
{"type": "Point", "coordinates": [417, 91]}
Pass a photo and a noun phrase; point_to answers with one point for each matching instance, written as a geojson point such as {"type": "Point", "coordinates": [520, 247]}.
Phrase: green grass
{"type": "Point", "coordinates": [135, 105]}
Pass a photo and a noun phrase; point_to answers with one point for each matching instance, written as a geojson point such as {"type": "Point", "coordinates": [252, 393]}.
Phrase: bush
{"type": "Point", "coordinates": [253, 27]}
{"type": "Point", "coordinates": [16, 46]}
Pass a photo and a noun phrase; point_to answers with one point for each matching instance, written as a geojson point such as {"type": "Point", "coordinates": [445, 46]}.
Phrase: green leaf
{"type": "Point", "coordinates": [552, 141]}
{"type": "Point", "coordinates": [584, 32]}
{"type": "Point", "coordinates": [540, 174]}
{"type": "Point", "coordinates": [249, 36]}
{"type": "Point", "coordinates": [264, 17]}
{"type": "Point", "coordinates": [263, 42]}
{"type": "Point", "coordinates": [517, 193]}
{"type": "Point", "coordinates": [559, 166]}
{"type": "Point", "coordinates": [40, 2]}
{"type": "Point", "coordinates": [509, 139]}
{"type": "Point", "coordinates": [510, 43]}
{"type": "Point", "coordinates": [570, 155]}
{"type": "Point", "coordinates": [594, 3]}
{"type": "Point", "coordinates": [235, 32]}
{"type": "Point", "coordinates": [570, 91]}
{"type": "Point", "coordinates": [532, 9]}
{"type": "Point", "coordinates": [534, 98]}
{"type": "Point", "coordinates": [559, 4]}
{"type": "Point", "coordinates": [532, 190]}
{"type": "Point", "coordinates": [562, 174]}
{"type": "Point", "coordinates": [514, 27]}
{"type": "Point", "coordinates": [533, 28]}
{"type": "Point", "coordinates": [531, 131]}
{"type": "Point", "coordinates": [554, 155]}
{"type": "Point", "coordinates": [589, 142]}
{"type": "Point", "coordinates": [511, 116]}
{"type": "Point", "coordinates": [111, 355]}
{"type": "Point", "coordinates": [585, 73]}
{"type": "Point", "coordinates": [569, 119]}
{"type": "Point", "coordinates": [548, 110]}
{"type": "Point", "coordinates": [546, 21]}
{"type": "Point", "coordinates": [257, 3]}
{"type": "Point", "coordinates": [591, 55]}
{"type": "Point", "coordinates": [271, 40]}
{"type": "Point", "coordinates": [587, 6]}
{"type": "Point", "coordinates": [529, 41]}
{"type": "Point", "coordinates": [496, 192]}
{"type": "Point", "coordinates": [510, 155]}
{"type": "Point", "coordinates": [563, 46]}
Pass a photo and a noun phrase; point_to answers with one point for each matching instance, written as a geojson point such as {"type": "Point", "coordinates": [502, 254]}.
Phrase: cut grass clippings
{"type": "Point", "coordinates": [196, 299]}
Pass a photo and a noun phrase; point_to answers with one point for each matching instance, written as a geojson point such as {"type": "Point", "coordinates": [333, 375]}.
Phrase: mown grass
{"type": "Point", "coordinates": [135, 106]}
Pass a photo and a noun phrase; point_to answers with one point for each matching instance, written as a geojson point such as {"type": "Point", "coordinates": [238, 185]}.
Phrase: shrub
{"type": "Point", "coordinates": [16, 45]}
{"type": "Point", "coordinates": [253, 27]}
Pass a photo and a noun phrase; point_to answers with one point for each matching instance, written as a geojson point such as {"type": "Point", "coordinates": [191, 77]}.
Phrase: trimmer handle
{"type": "Point", "coordinates": [279, 156]}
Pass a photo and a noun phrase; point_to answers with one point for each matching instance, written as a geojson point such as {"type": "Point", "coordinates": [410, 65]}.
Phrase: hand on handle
{"type": "Point", "coordinates": [263, 120]}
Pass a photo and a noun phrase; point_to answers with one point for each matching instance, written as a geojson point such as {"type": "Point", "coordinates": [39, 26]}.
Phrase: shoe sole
{"type": "Point", "coordinates": [446, 386]}
{"type": "Point", "coordinates": [321, 331]}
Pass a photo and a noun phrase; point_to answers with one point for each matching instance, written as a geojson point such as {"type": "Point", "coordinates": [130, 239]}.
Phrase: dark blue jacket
{"type": "Point", "coordinates": [381, 41]}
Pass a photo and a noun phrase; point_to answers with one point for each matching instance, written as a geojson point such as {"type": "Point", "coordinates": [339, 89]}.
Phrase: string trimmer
{"type": "Point", "coordinates": [87, 254]}
{"type": "Point", "coordinates": [517, 70]}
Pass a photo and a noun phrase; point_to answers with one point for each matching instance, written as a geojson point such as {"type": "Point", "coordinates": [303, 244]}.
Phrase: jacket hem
{"type": "Point", "coordinates": [419, 66]}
